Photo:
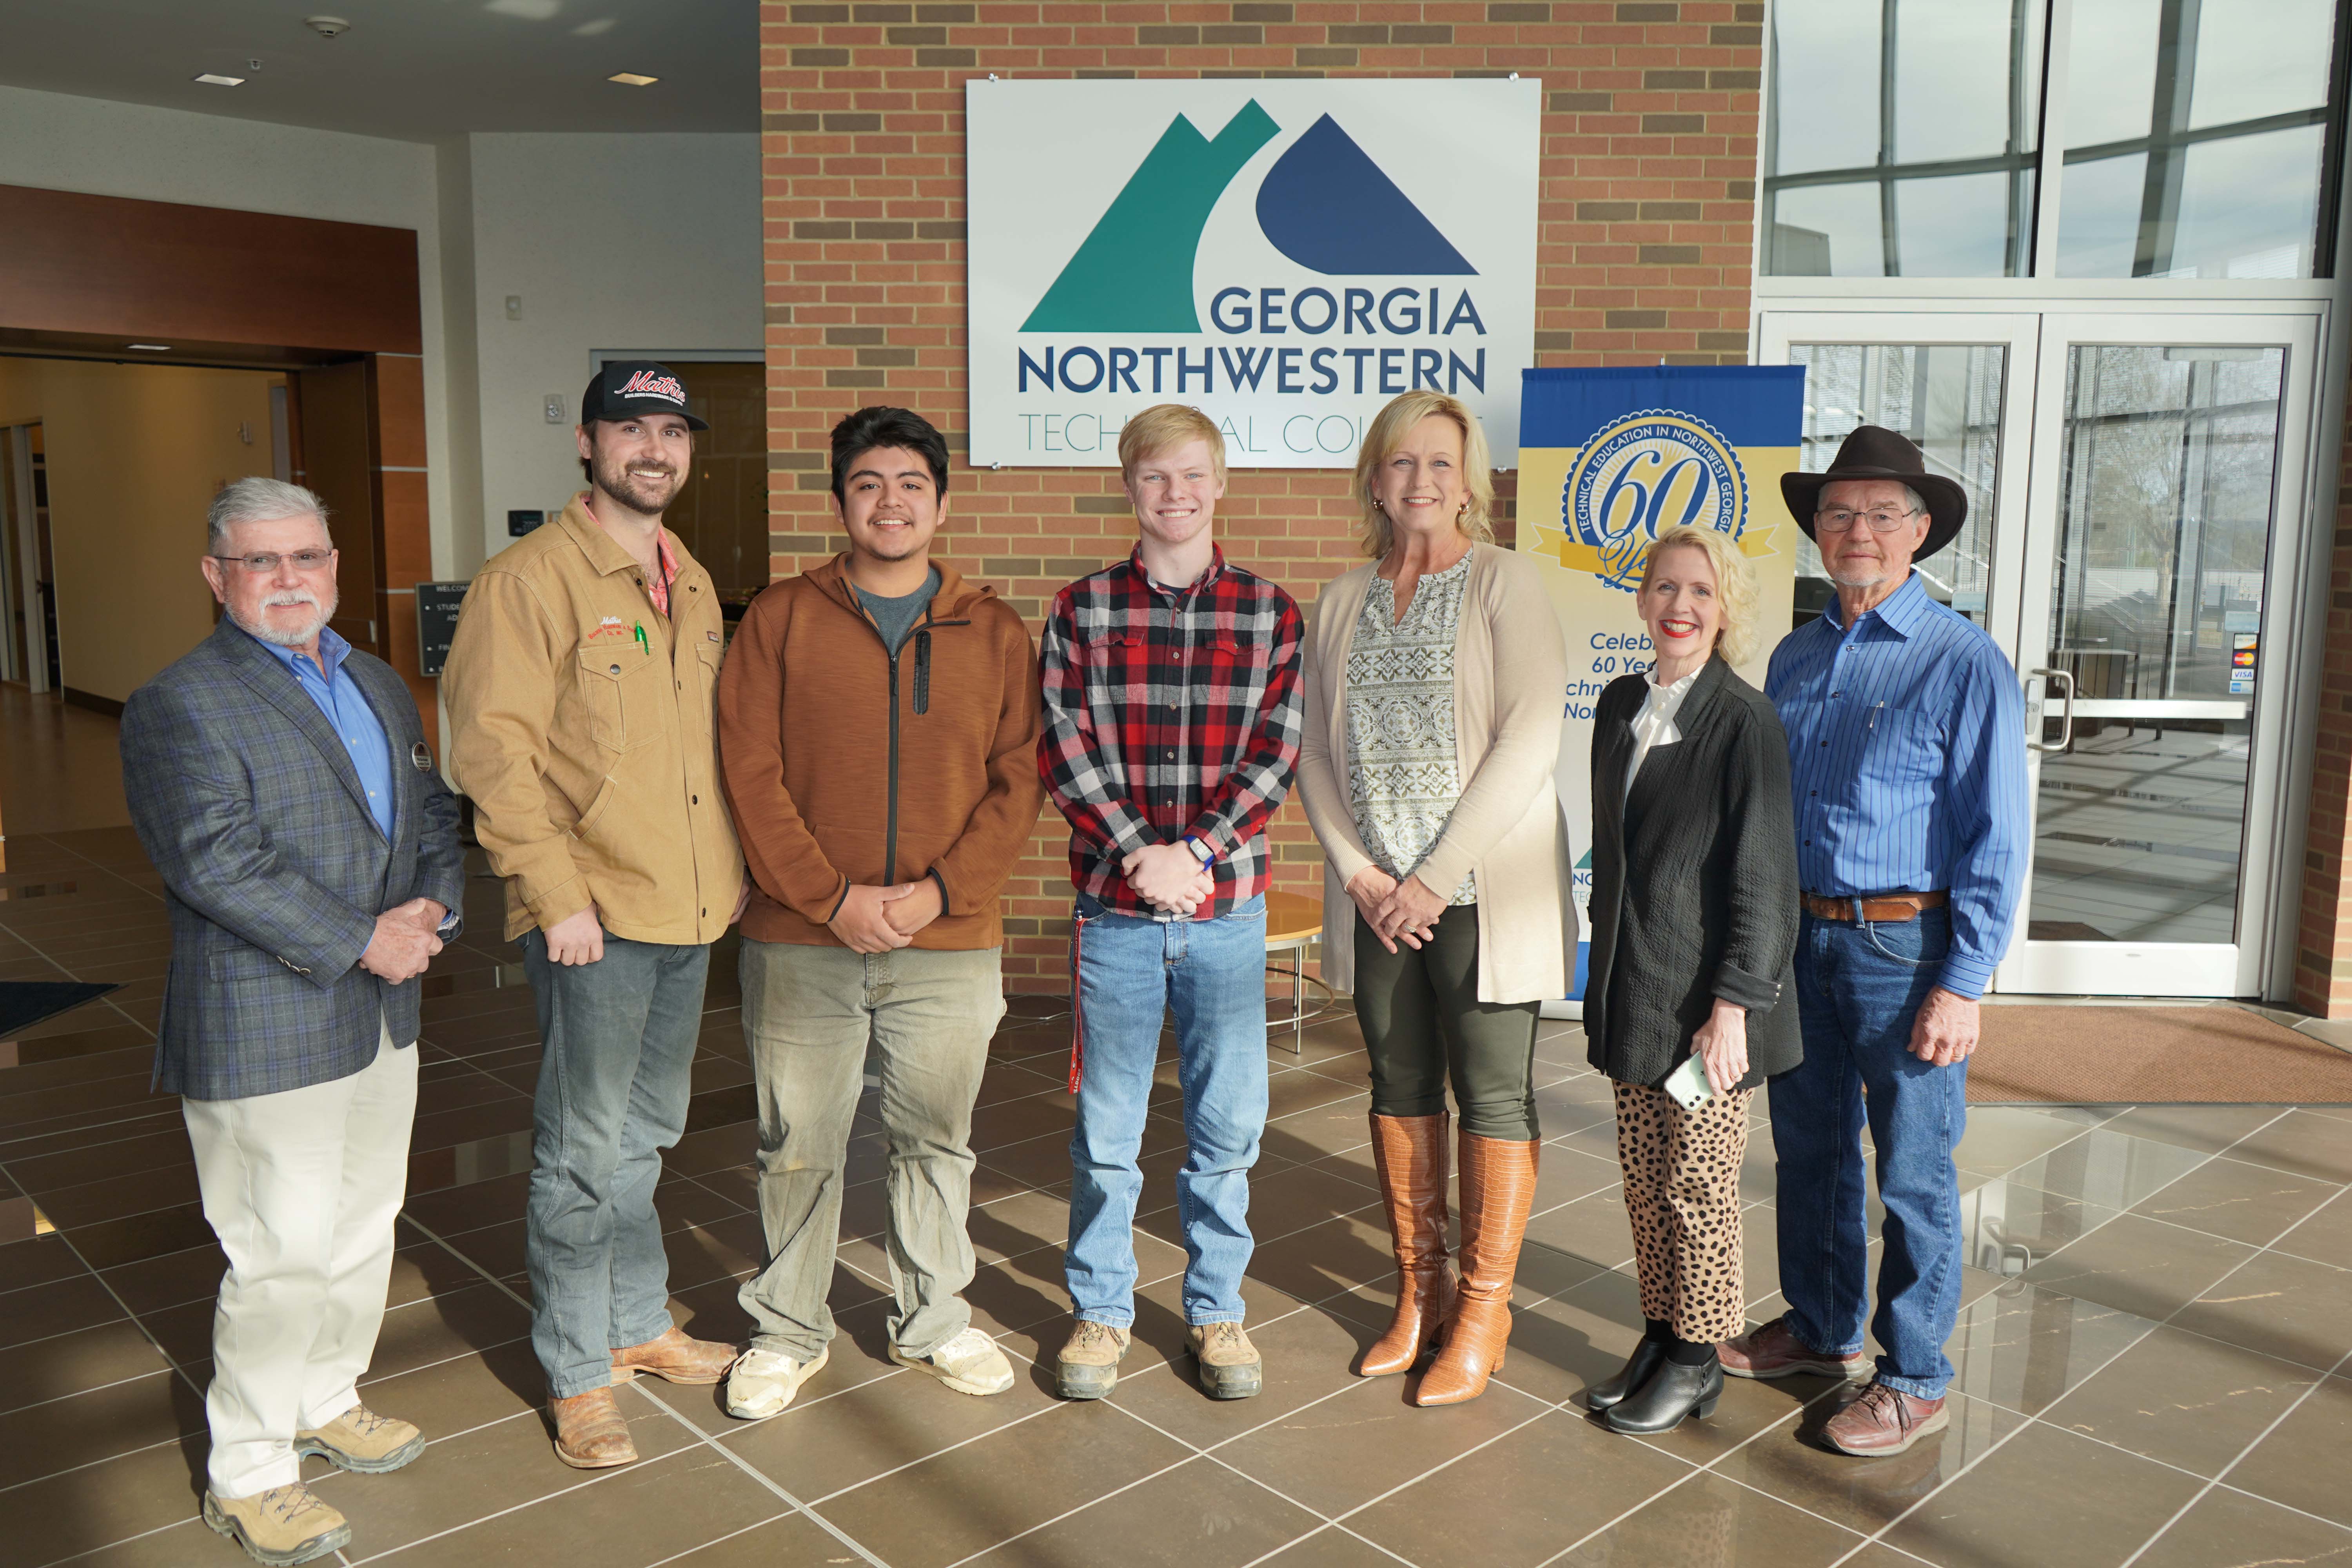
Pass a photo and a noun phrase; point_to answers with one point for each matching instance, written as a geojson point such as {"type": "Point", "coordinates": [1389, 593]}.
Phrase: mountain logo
{"type": "Point", "coordinates": [1640, 475]}
{"type": "Point", "coordinates": [1325, 205]}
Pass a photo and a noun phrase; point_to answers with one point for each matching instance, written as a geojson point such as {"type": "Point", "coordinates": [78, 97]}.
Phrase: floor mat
{"type": "Point", "coordinates": [2151, 1055]}
{"type": "Point", "coordinates": [25, 1003]}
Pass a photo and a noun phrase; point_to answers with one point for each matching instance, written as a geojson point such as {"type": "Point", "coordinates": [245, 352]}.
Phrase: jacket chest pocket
{"type": "Point", "coordinates": [621, 691]}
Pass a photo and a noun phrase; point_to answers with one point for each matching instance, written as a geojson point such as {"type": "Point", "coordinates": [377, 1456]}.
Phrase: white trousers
{"type": "Point", "coordinates": [302, 1188]}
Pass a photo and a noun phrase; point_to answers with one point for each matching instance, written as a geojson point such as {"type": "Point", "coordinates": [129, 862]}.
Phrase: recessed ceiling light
{"type": "Point", "coordinates": [212, 79]}
{"type": "Point", "coordinates": [631, 78]}
{"type": "Point", "coordinates": [150, 348]}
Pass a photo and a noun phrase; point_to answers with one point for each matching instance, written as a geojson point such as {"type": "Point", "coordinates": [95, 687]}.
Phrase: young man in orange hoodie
{"type": "Point", "coordinates": [877, 722]}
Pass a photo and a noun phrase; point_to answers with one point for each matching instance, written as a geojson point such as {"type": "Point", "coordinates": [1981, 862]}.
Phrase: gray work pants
{"type": "Point", "coordinates": [809, 1014]}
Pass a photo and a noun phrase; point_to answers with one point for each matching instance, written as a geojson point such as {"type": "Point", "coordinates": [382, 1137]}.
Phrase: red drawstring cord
{"type": "Point", "coordinates": [1078, 1008]}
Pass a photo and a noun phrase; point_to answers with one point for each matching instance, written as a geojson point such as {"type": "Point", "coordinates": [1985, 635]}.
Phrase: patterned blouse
{"type": "Point", "coordinates": [1403, 775]}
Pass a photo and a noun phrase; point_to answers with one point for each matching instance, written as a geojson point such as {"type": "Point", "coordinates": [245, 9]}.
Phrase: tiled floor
{"type": "Point", "coordinates": [2152, 1355]}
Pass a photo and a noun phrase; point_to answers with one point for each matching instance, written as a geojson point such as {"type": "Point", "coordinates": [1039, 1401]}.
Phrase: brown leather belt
{"type": "Point", "coordinates": [1875, 907]}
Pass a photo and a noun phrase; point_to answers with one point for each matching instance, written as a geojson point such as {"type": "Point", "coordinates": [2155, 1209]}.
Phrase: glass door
{"type": "Point", "coordinates": [2165, 506]}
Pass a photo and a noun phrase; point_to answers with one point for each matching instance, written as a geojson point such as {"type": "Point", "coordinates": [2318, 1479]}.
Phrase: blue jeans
{"type": "Point", "coordinates": [1131, 972]}
{"type": "Point", "coordinates": [1858, 989]}
{"type": "Point", "coordinates": [617, 1041]}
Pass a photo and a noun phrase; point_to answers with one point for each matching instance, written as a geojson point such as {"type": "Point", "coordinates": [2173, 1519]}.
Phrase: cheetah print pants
{"type": "Point", "coordinates": [1681, 1193]}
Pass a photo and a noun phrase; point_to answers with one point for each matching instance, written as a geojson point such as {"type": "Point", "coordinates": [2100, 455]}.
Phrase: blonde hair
{"type": "Point", "coordinates": [1734, 586]}
{"type": "Point", "coordinates": [1387, 431]}
{"type": "Point", "coordinates": [1163, 427]}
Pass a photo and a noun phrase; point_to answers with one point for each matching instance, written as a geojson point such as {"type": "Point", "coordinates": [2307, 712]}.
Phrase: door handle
{"type": "Point", "coordinates": [2066, 722]}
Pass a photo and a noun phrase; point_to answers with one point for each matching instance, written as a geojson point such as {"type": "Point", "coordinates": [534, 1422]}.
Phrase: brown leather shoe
{"type": "Point", "coordinates": [1498, 1188]}
{"type": "Point", "coordinates": [1409, 1153]}
{"type": "Point", "coordinates": [590, 1431]}
{"type": "Point", "coordinates": [1883, 1421]}
{"type": "Point", "coordinates": [1775, 1350]}
{"type": "Point", "coordinates": [674, 1358]}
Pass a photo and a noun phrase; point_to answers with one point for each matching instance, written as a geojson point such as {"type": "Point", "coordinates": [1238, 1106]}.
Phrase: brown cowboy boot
{"type": "Point", "coordinates": [675, 1357]}
{"type": "Point", "coordinates": [1409, 1153]}
{"type": "Point", "coordinates": [1498, 1188]}
{"type": "Point", "coordinates": [590, 1433]}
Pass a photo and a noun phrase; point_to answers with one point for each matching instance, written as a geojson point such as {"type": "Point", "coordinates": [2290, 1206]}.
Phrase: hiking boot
{"type": "Point", "coordinates": [591, 1434]}
{"type": "Point", "coordinates": [674, 1358]}
{"type": "Point", "coordinates": [282, 1526]}
{"type": "Point", "coordinates": [1883, 1421]}
{"type": "Point", "coordinates": [1775, 1350]}
{"type": "Point", "coordinates": [359, 1440]}
{"type": "Point", "coordinates": [967, 1362]}
{"type": "Point", "coordinates": [1088, 1365]}
{"type": "Point", "coordinates": [763, 1382]}
{"type": "Point", "coordinates": [1231, 1367]}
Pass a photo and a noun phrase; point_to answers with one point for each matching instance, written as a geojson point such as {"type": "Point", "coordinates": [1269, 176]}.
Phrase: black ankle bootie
{"type": "Point", "coordinates": [1675, 1391]}
{"type": "Point", "coordinates": [1647, 1358]}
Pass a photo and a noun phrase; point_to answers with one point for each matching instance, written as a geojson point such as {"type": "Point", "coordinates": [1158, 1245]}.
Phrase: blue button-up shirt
{"type": "Point", "coordinates": [346, 708]}
{"type": "Point", "coordinates": [1906, 750]}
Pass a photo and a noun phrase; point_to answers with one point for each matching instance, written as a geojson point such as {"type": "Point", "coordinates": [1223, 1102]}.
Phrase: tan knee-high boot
{"type": "Point", "coordinates": [1409, 1153]}
{"type": "Point", "coordinates": [1498, 1188]}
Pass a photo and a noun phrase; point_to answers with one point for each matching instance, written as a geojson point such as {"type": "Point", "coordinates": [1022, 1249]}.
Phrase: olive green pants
{"type": "Point", "coordinates": [1424, 1027]}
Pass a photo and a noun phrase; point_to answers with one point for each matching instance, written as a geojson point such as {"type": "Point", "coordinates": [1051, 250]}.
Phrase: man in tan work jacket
{"type": "Point", "coordinates": [579, 687]}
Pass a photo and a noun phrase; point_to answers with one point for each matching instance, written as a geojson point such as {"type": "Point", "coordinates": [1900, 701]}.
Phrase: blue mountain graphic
{"type": "Point", "coordinates": [1328, 206]}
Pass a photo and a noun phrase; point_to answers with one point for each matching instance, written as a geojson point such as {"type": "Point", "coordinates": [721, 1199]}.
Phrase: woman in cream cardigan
{"type": "Point", "coordinates": [1434, 680]}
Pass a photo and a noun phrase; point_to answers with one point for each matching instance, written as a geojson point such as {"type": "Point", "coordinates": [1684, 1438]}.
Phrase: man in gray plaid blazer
{"type": "Point", "coordinates": [281, 783]}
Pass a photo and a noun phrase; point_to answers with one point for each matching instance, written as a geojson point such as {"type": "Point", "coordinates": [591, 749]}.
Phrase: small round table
{"type": "Point", "coordinates": [1293, 923]}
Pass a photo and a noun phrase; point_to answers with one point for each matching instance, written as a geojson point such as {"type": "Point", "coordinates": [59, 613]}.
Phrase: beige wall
{"type": "Point", "coordinates": [135, 455]}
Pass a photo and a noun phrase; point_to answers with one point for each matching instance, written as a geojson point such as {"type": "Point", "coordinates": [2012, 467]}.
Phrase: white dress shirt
{"type": "Point", "coordinates": [1655, 724]}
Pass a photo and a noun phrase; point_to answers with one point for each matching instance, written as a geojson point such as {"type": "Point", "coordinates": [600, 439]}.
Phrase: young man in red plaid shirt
{"type": "Point", "coordinates": [1171, 726]}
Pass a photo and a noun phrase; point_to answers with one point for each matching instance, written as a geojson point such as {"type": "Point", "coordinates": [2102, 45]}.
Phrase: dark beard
{"type": "Point", "coordinates": [639, 495]}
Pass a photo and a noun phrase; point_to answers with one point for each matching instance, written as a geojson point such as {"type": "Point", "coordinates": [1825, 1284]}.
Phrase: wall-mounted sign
{"type": "Point", "coordinates": [437, 622]}
{"type": "Point", "coordinates": [1285, 255]}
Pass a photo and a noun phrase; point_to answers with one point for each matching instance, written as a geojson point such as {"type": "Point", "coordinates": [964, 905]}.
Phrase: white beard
{"type": "Point", "coordinates": [290, 637]}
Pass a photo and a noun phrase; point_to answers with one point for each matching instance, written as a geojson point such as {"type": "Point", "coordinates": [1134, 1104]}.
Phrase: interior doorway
{"type": "Point", "coordinates": [2136, 540]}
{"type": "Point", "coordinates": [28, 560]}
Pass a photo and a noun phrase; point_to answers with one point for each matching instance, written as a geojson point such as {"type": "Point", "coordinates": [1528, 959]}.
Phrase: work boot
{"type": "Point", "coordinates": [359, 1440]}
{"type": "Point", "coordinates": [1231, 1367]}
{"type": "Point", "coordinates": [1409, 1151]}
{"type": "Point", "coordinates": [282, 1526]}
{"type": "Point", "coordinates": [674, 1358]}
{"type": "Point", "coordinates": [1088, 1364]}
{"type": "Point", "coordinates": [1775, 1350]}
{"type": "Point", "coordinates": [967, 1361]}
{"type": "Point", "coordinates": [765, 1380]}
{"type": "Point", "coordinates": [591, 1434]}
{"type": "Point", "coordinates": [1883, 1421]}
{"type": "Point", "coordinates": [1498, 1188]}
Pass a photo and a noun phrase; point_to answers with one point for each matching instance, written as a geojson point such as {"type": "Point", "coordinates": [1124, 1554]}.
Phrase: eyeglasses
{"type": "Point", "coordinates": [264, 564]}
{"type": "Point", "coordinates": [1838, 521]}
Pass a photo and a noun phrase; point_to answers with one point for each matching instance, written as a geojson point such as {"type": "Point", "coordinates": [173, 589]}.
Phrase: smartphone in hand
{"type": "Point", "coordinates": [1688, 1086]}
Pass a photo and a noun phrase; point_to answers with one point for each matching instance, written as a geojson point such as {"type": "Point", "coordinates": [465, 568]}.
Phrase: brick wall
{"type": "Point", "coordinates": [2323, 967]}
{"type": "Point", "coordinates": [1649, 170]}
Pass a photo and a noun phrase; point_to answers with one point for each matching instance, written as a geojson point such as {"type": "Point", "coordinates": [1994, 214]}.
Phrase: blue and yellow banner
{"type": "Point", "coordinates": [1610, 458]}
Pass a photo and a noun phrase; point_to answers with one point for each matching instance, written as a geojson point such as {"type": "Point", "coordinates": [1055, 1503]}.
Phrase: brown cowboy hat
{"type": "Point", "coordinates": [1876, 453]}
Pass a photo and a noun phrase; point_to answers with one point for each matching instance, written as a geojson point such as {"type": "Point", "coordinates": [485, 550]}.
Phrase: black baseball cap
{"type": "Point", "coordinates": [629, 387]}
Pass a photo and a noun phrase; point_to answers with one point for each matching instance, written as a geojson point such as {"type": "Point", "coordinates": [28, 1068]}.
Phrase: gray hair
{"type": "Point", "coordinates": [257, 498]}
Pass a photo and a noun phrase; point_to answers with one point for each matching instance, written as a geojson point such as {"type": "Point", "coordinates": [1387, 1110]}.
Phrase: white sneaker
{"type": "Point", "coordinates": [763, 1382]}
{"type": "Point", "coordinates": [969, 1362]}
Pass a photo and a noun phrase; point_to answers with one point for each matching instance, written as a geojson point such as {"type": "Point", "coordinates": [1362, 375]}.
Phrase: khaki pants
{"type": "Point", "coordinates": [809, 1013]}
{"type": "Point", "coordinates": [301, 1187]}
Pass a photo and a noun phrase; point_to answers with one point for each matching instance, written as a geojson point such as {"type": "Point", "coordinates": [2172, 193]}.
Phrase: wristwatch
{"type": "Point", "coordinates": [1200, 848]}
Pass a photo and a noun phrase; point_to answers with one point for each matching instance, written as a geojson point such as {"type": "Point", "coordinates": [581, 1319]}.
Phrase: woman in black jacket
{"type": "Point", "coordinates": [1694, 937]}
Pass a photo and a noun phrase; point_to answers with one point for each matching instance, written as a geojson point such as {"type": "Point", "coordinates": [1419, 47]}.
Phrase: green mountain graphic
{"type": "Point", "coordinates": [1134, 272]}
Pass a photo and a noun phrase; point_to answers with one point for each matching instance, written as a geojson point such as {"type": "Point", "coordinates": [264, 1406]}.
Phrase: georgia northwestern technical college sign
{"type": "Point", "coordinates": [1285, 255]}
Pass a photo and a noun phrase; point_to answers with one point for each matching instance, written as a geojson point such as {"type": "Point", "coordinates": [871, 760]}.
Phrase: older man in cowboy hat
{"type": "Point", "coordinates": [1906, 739]}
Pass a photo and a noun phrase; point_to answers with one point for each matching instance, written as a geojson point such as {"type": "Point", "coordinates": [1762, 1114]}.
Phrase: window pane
{"type": "Point", "coordinates": [2099, 217]}
{"type": "Point", "coordinates": [1825, 66]}
{"type": "Point", "coordinates": [2249, 208]}
{"type": "Point", "coordinates": [1959, 226]}
{"type": "Point", "coordinates": [1952, 73]}
{"type": "Point", "coordinates": [2259, 58]}
{"type": "Point", "coordinates": [2110, 72]}
{"type": "Point", "coordinates": [1827, 231]}
{"type": "Point", "coordinates": [1948, 399]}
